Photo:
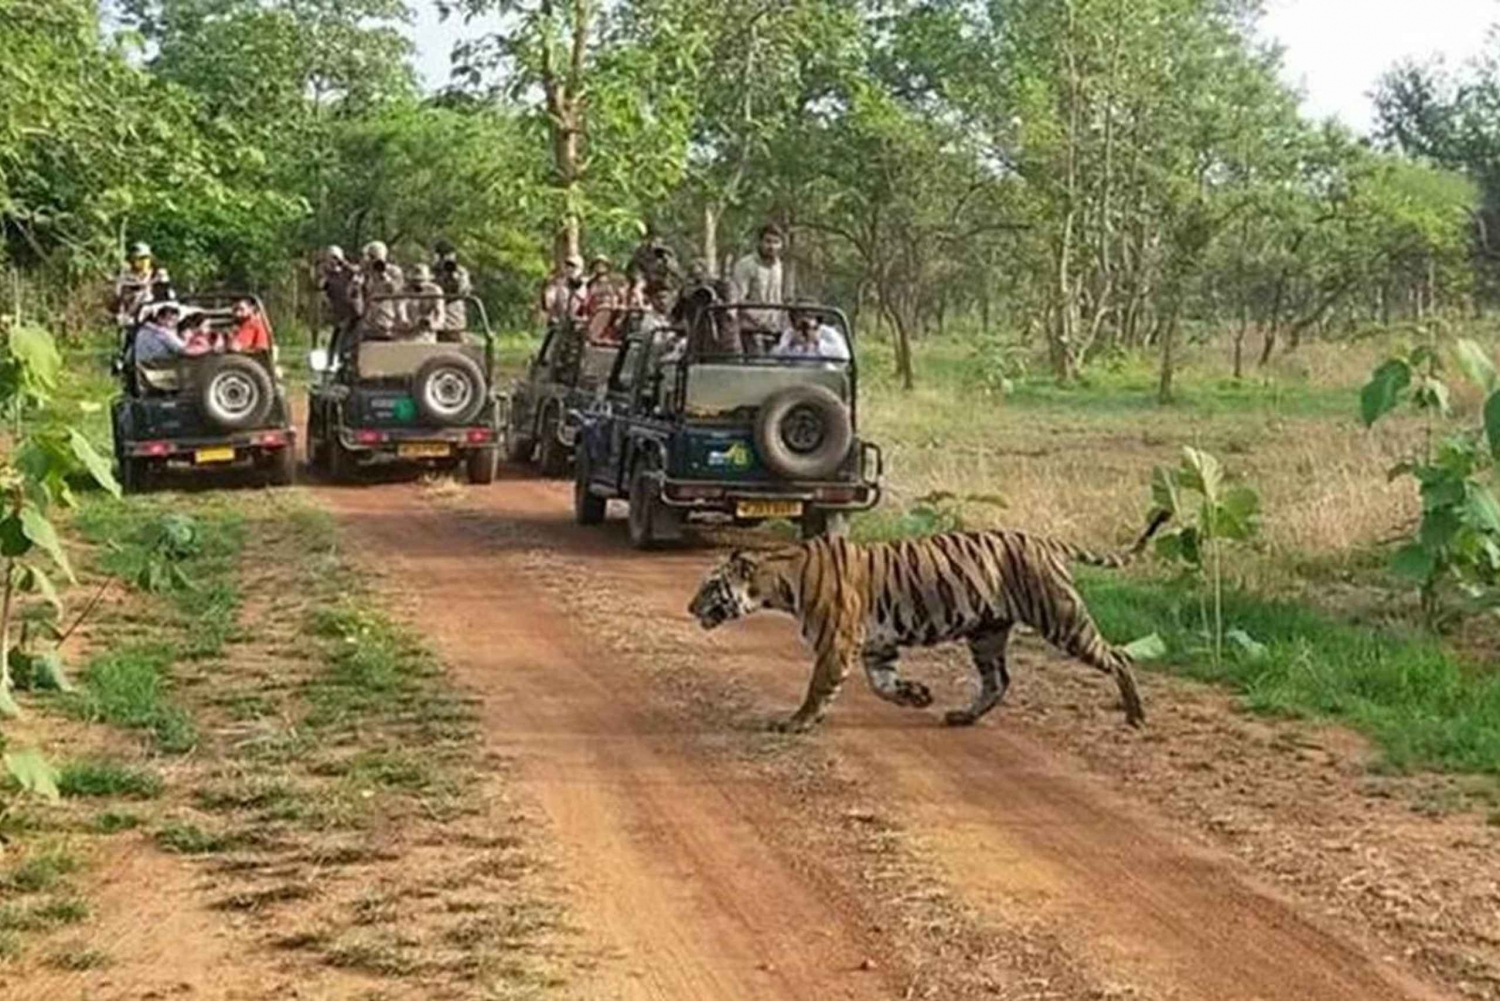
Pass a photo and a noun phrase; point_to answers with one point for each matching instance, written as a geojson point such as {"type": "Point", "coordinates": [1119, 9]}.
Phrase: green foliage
{"type": "Point", "coordinates": [104, 777]}
{"type": "Point", "coordinates": [190, 839]}
{"type": "Point", "coordinates": [1206, 514]}
{"type": "Point", "coordinates": [40, 872]}
{"type": "Point", "coordinates": [127, 687]}
{"type": "Point", "coordinates": [32, 772]}
{"type": "Point", "coordinates": [1457, 541]}
{"type": "Point", "coordinates": [1423, 707]}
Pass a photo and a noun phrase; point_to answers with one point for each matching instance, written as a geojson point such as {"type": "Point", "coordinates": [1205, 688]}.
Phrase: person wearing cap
{"type": "Point", "coordinates": [339, 281]}
{"type": "Point", "coordinates": [757, 278]}
{"type": "Point", "coordinates": [381, 284]}
{"type": "Point", "coordinates": [563, 294]}
{"type": "Point", "coordinates": [454, 280]}
{"type": "Point", "coordinates": [425, 312]}
{"type": "Point", "coordinates": [157, 340]}
{"type": "Point", "coordinates": [652, 262]}
{"type": "Point", "coordinates": [134, 284]}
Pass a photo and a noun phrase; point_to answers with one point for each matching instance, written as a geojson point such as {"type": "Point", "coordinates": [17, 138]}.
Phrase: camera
{"type": "Point", "coordinates": [379, 267]}
{"type": "Point", "coordinates": [450, 266]}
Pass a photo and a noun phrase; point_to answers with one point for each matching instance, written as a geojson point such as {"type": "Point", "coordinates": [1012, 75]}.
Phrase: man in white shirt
{"type": "Point", "coordinates": [757, 278]}
{"type": "Point", "coordinates": [809, 337]}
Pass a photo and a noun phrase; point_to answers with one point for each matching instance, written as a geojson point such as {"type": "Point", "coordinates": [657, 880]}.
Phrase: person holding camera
{"type": "Point", "coordinates": [381, 283]}
{"type": "Point", "coordinates": [455, 282]}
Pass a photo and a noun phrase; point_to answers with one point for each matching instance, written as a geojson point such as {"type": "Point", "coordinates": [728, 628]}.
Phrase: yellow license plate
{"type": "Point", "coordinates": [768, 509]}
{"type": "Point", "coordinates": [204, 456]}
{"type": "Point", "coordinates": [424, 450]}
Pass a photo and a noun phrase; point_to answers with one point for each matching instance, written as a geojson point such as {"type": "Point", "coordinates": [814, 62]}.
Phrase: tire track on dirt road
{"type": "Point", "coordinates": [669, 872]}
{"type": "Point", "coordinates": [675, 870]}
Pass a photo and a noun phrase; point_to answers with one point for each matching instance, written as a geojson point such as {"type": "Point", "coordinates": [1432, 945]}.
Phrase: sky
{"type": "Point", "coordinates": [1335, 49]}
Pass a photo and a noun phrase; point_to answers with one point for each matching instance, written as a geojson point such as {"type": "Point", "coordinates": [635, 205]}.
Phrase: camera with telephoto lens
{"type": "Point", "coordinates": [379, 267]}
{"type": "Point", "coordinates": [450, 266]}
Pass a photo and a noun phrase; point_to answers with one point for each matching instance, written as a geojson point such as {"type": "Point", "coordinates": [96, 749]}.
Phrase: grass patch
{"type": "Point", "coordinates": [38, 873]}
{"type": "Point", "coordinates": [103, 777]}
{"type": "Point", "coordinates": [112, 822]}
{"type": "Point", "coordinates": [78, 958]}
{"type": "Point", "coordinates": [42, 917]}
{"type": "Point", "coordinates": [1424, 707]}
{"type": "Point", "coordinates": [127, 687]}
{"type": "Point", "coordinates": [190, 839]}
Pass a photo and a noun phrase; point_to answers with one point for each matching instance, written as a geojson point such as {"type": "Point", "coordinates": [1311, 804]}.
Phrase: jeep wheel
{"type": "Point", "coordinates": [281, 467]}
{"type": "Point", "coordinates": [134, 474]}
{"type": "Point", "coordinates": [803, 432]}
{"type": "Point", "coordinates": [588, 509]}
{"type": "Point", "coordinates": [482, 463]}
{"type": "Point", "coordinates": [816, 522]}
{"type": "Point", "coordinates": [643, 505]}
{"type": "Point", "coordinates": [554, 456]}
{"type": "Point", "coordinates": [341, 465]}
{"type": "Point", "coordinates": [449, 389]}
{"type": "Point", "coordinates": [236, 392]}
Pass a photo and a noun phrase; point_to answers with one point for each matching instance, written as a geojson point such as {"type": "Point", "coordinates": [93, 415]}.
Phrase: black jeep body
{"type": "Point", "coordinates": [562, 378]}
{"type": "Point", "coordinates": [730, 436]}
{"type": "Point", "coordinates": [426, 401]}
{"type": "Point", "coordinates": [209, 412]}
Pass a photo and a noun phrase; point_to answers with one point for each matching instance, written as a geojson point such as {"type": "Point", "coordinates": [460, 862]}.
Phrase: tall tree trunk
{"type": "Point", "coordinates": [711, 213]}
{"type": "Point", "coordinates": [1239, 341]}
{"type": "Point", "coordinates": [1168, 355]}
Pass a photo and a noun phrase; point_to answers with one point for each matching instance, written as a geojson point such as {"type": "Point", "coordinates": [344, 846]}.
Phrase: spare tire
{"type": "Point", "coordinates": [449, 389]}
{"type": "Point", "coordinates": [803, 432]}
{"type": "Point", "coordinates": [236, 392]}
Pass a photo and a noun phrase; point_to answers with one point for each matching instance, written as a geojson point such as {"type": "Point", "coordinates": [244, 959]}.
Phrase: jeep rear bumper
{"type": "Point", "coordinates": [408, 443]}
{"type": "Point", "coordinates": [244, 443]}
{"type": "Point", "coordinates": [717, 495]}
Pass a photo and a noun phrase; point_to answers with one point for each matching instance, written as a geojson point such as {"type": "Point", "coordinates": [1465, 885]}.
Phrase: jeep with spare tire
{"type": "Point", "coordinates": [729, 417]}
{"type": "Point", "coordinates": [216, 409]}
{"type": "Point", "coordinates": [562, 377]}
{"type": "Point", "coordinates": [405, 394]}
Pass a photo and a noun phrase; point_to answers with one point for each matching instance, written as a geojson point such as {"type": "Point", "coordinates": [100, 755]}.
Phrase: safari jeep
{"type": "Point", "coordinates": [381, 399]}
{"type": "Point", "coordinates": [206, 412]}
{"type": "Point", "coordinates": [715, 423]}
{"type": "Point", "coordinates": [561, 379]}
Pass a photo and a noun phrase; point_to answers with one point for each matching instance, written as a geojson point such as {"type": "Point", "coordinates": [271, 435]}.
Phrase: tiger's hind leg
{"type": "Point", "coordinates": [1073, 631]}
{"type": "Point", "coordinates": [886, 681]}
{"type": "Point", "coordinates": [988, 651]}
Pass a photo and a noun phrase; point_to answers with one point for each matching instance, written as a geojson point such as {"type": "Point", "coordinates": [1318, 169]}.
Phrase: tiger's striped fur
{"type": "Point", "coordinates": [866, 601]}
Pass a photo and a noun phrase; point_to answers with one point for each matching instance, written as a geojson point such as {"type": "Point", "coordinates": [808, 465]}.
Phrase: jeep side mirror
{"type": "Point", "coordinates": [317, 360]}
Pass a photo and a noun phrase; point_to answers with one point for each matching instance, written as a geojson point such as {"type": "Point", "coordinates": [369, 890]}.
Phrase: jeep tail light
{"type": "Point", "coordinates": [153, 448]}
{"type": "Point", "coordinates": [269, 439]}
{"type": "Point", "coordinates": [475, 436]}
{"type": "Point", "coordinates": [686, 492]}
{"type": "Point", "coordinates": [367, 437]}
{"type": "Point", "coordinates": [836, 495]}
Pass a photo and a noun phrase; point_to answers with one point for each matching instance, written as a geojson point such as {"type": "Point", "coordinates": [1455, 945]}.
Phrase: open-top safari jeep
{"type": "Point", "coordinates": [563, 376]}
{"type": "Point", "coordinates": [388, 396]}
{"type": "Point", "coordinates": [208, 411]}
{"type": "Point", "coordinates": [711, 423]}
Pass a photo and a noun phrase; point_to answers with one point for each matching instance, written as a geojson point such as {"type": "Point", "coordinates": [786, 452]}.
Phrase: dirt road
{"type": "Point", "coordinates": [883, 857]}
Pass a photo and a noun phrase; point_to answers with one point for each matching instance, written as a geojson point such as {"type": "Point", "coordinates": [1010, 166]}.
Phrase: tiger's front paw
{"type": "Point", "coordinates": [914, 694]}
{"type": "Point", "coordinates": [795, 723]}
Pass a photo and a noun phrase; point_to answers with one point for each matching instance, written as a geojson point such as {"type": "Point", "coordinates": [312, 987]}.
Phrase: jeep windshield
{"type": "Point", "coordinates": [765, 334]}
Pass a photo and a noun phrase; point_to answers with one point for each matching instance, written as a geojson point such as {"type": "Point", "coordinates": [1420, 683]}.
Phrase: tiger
{"type": "Point", "coordinates": [866, 601]}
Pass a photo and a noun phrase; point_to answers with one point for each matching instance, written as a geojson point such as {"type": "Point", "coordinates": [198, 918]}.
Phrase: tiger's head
{"type": "Point", "coordinates": [742, 584]}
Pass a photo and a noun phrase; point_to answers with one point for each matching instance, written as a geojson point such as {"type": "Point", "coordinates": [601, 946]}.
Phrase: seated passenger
{"type": "Point", "coordinates": [809, 337]}
{"type": "Point", "coordinates": [426, 311]}
{"type": "Point", "coordinates": [157, 340]}
{"type": "Point", "coordinates": [251, 335]}
{"type": "Point", "coordinates": [196, 337]}
{"type": "Point", "coordinates": [602, 302]}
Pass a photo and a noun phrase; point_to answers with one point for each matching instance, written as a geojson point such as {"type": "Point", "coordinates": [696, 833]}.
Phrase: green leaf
{"type": "Point", "coordinates": [1475, 363]}
{"type": "Point", "coordinates": [13, 540]}
{"type": "Point", "coordinates": [1237, 516]}
{"type": "Point", "coordinates": [1439, 526]}
{"type": "Point", "coordinates": [1413, 562]}
{"type": "Point", "coordinates": [33, 772]}
{"type": "Point", "coordinates": [1150, 647]}
{"type": "Point", "coordinates": [40, 531]}
{"type": "Point", "coordinates": [1164, 490]}
{"type": "Point", "coordinates": [1251, 649]}
{"type": "Point", "coordinates": [36, 579]}
{"type": "Point", "coordinates": [1202, 472]}
{"type": "Point", "coordinates": [97, 465]}
{"type": "Point", "coordinates": [1492, 423]}
{"type": "Point", "coordinates": [35, 349]}
{"type": "Point", "coordinates": [48, 672]}
{"type": "Point", "coordinates": [1383, 391]}
{"type": "Point", "coordinates": [1482, 510]}
{"type": "Point", "coordinates": [8, 707]}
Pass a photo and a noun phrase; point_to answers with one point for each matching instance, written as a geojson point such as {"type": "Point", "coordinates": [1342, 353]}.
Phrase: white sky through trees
{"type": "Point", "coordinates": [1335, 49]}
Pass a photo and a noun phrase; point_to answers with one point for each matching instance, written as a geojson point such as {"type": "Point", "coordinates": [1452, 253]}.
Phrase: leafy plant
{"type": "Point", "coordinates": [1457, 539]}
{"type": "Point", "coordinates": [1207, 515]}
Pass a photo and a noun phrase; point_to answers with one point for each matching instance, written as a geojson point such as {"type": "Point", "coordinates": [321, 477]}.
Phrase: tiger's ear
{"type": "Point", "coordinates": [741, 562]}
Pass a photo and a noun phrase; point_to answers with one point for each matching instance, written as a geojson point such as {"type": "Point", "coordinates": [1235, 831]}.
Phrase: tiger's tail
{"type": "Point", "coordinates": [1114, 561]}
